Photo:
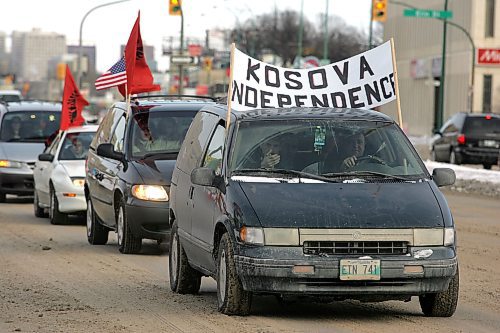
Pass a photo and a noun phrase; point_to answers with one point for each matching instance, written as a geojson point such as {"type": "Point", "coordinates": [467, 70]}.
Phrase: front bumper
{"type": "Point", "coordinates": [16, 181]}
{"type": "Point", "coordinates": [270, 270]}
{"type": "Point", "coordinates": [148, 219]}
{"type": "Point", "coordinates": [77, 204]}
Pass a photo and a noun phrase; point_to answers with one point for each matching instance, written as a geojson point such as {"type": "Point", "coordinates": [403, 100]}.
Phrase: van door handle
{"type": "Point", "coordinates": [191, 190]}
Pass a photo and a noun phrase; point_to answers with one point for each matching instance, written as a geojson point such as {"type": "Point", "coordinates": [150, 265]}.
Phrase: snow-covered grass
{"type": "Point", "coordinates": [467, 173]}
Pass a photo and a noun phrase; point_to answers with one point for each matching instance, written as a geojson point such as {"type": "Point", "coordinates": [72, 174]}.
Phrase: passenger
{"type": "Point", "coordinates": [15, 128]}
{"type": "Point", "coordinates": [267, 156]}
{"type": "Point", "coordinates": [76, 151]}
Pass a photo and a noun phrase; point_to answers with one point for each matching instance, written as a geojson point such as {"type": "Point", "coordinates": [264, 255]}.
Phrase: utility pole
{"type": "Point", "coordinates": [181, 50]}
{"type": "Point", "coordinates": [439, 116]}
{"type": "Point", "coordinates": [301, 29]}
{"type": "Point", "coordinates": [371, 28]}
{"type": "Point", "coordinates": [325, 40]}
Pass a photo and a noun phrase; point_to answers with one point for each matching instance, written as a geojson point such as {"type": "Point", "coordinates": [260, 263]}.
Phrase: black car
{"type": "Point", "coordinates": [468, 138]}
{"type": "Point", "coordinates": [129, 167]}
{"type": "Point", "coordinates": [329, 203]}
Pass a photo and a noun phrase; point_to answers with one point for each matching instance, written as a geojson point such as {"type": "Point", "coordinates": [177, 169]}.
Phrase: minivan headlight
{"type": "Point", "coordinates": [252, 235]}
{"type": "Point", "coordinates": [449, 236]}
{"type": "Point", "coordinates": [150, 192]}
{"type": "Point", "coordinates": [10, 164]}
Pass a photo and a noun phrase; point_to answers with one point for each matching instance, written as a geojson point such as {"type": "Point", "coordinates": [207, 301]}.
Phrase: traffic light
{"type": "Point", "coordinates": [207, 63]}
{"type": "Point", "coordinates": [174, 7]}
{"type": "Point", "coordinates": [61, 71]}
{"type": "Point", "coordinates": [379, 10]}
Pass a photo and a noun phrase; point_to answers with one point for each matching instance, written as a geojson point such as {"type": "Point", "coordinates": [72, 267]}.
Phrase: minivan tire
{"type": "Point", "coordinates": [232, 299]}
{"type": "Point", "coordinates": [442, 304]}
{"type": "Point", "coordinates": [183, 278]}
{"type": "Point", "coordinates": [2, 197]}
{"type": "Point", "coordinates": [128, 243]}
{"type": "Point", "coordinates": [455, 158]}
{"type": "Point", "coordinates": [487, 166]}
{"type": "Point", "coordinates": [97, 234]}
{"type": "Point", "coordinates": [56, 217]}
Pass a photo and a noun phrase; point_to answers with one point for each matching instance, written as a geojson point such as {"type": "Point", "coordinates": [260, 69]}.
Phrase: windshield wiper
{"type": "Point", "coordinates": [362, 173]}
{"type": "Point", "coordinates": [287, 172]}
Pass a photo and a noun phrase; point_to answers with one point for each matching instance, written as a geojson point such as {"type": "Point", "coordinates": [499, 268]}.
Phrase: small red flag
{"type": "Point", "coordinates": [139, 77]}
{"type": "Point", "coordinates": [72, 104]}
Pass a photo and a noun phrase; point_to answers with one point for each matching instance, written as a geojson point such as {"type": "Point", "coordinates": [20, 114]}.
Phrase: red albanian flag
{"type": "Point", "coordinates": [72, 104]}
{"type": "Point", "coordinates": [139, 77]}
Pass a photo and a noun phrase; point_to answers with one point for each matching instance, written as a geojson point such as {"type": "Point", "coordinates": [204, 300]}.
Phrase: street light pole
{"type": "Point", "coordinates": [79, 64]}
{"type": "Point", "coordinates": [439, 116]}
{"type": "Point", "coordinates": [301, 30]}
{"type": "Point", "coordinates": [180, 91]}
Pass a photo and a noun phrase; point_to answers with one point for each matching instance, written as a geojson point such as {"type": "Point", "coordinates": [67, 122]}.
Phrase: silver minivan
{"type": "Point", "coordinates": [24, 129]}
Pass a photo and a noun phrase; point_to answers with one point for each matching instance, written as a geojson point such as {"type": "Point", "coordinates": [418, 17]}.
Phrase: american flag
{"type": "Point", "coordinates": [115, 76]}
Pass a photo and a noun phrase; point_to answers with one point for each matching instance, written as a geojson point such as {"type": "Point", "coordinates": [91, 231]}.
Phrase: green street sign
{"type": "Point", "coordinates": [428, 13]}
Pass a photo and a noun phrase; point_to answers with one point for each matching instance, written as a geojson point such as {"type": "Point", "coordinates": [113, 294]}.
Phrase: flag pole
{"type": "Point", "coordinates": [396, 84]}
{"type": "Point", "coordinates": [230, 87]}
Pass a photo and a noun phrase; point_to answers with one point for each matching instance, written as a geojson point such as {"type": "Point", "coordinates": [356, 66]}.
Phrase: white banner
{"type": "Point", "coordinates": [365, 80]}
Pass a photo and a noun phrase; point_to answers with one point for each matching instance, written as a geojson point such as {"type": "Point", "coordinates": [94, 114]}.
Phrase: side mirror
{"type": "Point", "coordinates": [107, 150]}
{"type": "Point", "coordinates": [437, 132]}
{"type": "Point", "coordinates": [46, 157]}
{"type": "Point", "coordinates": [444, 176]}
{"type": "Point", "coordinates": [207, 177]}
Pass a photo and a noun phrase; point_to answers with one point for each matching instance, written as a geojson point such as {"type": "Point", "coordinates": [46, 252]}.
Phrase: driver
{"type": "Point", "coordinates": [354, 148]}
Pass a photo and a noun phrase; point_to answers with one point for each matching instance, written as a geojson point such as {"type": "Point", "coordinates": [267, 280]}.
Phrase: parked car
{"type": "Point", "coordinates": [310, 202]}
{"type": "Point", "coordinates": [129, 167]}
{"type": "Point", "coordinates": [24, 127]}
{"type": "Point", "coordinates": [468, 138]}
{"type": "Point", "coordinates": [59, 175]}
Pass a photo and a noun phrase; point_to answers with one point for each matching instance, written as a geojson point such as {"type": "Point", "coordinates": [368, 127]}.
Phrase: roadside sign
{"type": "Point", "coordinates": [488, 56]}
{"type": "Point", "coordinates": [428, 13]}
{"type": "Point", "coordinates": [183, 60]}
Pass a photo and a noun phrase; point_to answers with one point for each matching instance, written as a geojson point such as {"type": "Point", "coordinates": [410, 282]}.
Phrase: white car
{"type": "Point", "coordinates": [59, 175]}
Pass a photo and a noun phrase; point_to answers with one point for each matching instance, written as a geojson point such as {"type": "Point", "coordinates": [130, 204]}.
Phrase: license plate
{"type": "Point", "coordinates": [490, 143]}
{"type": "Point", "coordinates": [359, 269]}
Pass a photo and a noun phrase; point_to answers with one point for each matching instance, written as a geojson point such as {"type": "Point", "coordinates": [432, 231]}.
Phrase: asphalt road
{"type": "Point", "coordinates": [52, 280]}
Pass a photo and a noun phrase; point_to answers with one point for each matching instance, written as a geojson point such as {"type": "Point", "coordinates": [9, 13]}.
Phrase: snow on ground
{"type": "Point", "coordinates": [467, 173]}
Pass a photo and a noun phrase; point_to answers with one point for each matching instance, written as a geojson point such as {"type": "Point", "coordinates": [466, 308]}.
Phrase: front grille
{"type": "Point", "coordinates": [363, 247]}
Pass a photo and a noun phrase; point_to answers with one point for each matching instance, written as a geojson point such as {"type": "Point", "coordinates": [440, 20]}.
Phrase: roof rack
{"type": "Point", "coordinates": [176, 97]}
{"type": "Point", "coordinates": [39, 101]}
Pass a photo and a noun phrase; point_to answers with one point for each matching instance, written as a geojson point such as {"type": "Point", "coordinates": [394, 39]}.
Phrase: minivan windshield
{"type": "Point", "coordinates": [159, 132]}
{"type": "Point", "coordinates": [28, 126]}
{"type": "Point", "coordinates": [325, 147]}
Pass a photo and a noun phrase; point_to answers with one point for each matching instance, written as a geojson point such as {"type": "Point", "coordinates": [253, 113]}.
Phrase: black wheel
{"type": "Point", "coordinates": [128, 243]}
{"type": "Point", "coordinates": [442, 304]}
{"type": "Point", "coordinates": [433, 156]}
{"type": "Point", "coordinates": [39, 211]}
{"type": "Point", "coordinates": [487, 166]}
{"type": "Point", "coordinates": [232, 299]}
{"type": "Point", "coordinates": [97, 234]}
{"type": "Point", "coordinates": [56, 217]}
{"type": "Point", "coordinates": [183, 278]}
{"type": "Point", "coordinates": [2, 197]}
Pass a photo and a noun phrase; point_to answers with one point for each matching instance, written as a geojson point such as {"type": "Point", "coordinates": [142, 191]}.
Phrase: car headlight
{"type": "Point", "coordinates": [10, 164]}
{"type": "Point", "coordinates": [78, 182]}
{"type": "Point", "coordinates": [252, 235]}
{"type": "Point", "coordinates": [150, 192]}
{"type": "Point", "coordinates": [449, 236]}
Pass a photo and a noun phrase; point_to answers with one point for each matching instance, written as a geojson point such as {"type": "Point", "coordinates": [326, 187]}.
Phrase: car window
{"type": "Point", "coordinates": [481, 125]}
{"type": "Point", "coordinates": [52, 149]}
{"type": "Point", "coordinates": [118, 135]}
{"type": "Point", "coordinates": [195, 142]}
{"type": "Point", "coordinates": [159, 132]}
{"type": "Point", "coordinates": [322, 146]}
{"type": "Point", "coordinates": [75, 146]}
{"type": "Point", "coordinates": [29, 126]}
{"type": "Point", "coordinates": [104, 131]}
{"type": "Point", "coordinates": [213, 156]}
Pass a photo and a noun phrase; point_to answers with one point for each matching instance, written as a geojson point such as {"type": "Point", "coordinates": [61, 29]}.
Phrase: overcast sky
{"type": "Point", "coordinates": [109, 27]}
